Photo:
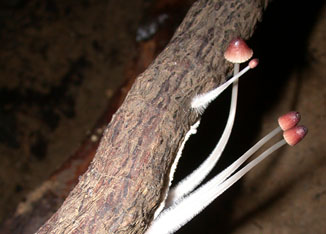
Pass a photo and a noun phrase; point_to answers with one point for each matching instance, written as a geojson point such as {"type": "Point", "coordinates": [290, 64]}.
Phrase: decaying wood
{"type": "Point", "coordinates": [124, 184]}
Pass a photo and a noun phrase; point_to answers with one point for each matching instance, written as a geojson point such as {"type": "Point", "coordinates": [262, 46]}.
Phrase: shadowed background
{"type": "Point", "coordinates": [62, 61]}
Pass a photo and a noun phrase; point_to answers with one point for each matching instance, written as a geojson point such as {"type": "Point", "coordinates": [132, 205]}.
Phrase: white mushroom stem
{"type": "Point", "coordinates": [181, 212]}
{"type": "Point", "coordinates": [201, 101]}
{"type": "Point", "coordinates": [235, 165]}
{"type": "Point", "coordinates": [189, 183]}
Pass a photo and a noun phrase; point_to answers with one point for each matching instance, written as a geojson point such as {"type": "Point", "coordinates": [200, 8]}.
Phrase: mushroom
{"type": "Point", "coordinates": [237, 52]}
{"type": "Point", "coordinates": [289, 120]}
{"type": "Point", "coordinates": [182, 211]}
{"type": "Point", "coordinates": [294, 135]}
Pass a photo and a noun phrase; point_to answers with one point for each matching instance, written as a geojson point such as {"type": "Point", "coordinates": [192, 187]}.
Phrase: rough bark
{"type": "Point", "coordinates": [124, 184]}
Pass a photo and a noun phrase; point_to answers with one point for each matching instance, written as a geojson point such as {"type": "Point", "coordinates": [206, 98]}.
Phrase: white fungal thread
{"type": "Point", "coordinates": [189, 183]}
{"type": "Point", "coordinates": [193, 130]}
{"type": "Point", "coordinates": [201, 101]}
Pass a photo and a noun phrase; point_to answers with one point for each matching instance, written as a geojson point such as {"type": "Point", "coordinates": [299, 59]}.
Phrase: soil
{"type": "Point", "coordinates": [61, 62]}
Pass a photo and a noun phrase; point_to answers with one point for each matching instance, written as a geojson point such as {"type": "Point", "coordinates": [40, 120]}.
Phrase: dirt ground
{"type": "Point", "coordinates": [61, 62]}
{"type": "Point", "coordinates": [58, 71]}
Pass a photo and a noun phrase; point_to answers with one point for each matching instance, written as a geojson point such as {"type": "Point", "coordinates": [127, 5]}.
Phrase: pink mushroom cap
{"type": "Point", "coordinates": [238, 51]}
{"type": "Point", "coordinates": [289, 120]}
{"type": "Point", "coordinates": [294, 135]}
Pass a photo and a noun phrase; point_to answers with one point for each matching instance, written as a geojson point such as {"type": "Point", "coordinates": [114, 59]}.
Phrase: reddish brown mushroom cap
{"type": "Point", "coordinates": [238, 51]}
{"type": "Point", "coordinates": [294, 135]}
{"type": "Point", "coordinates": [289, 120]}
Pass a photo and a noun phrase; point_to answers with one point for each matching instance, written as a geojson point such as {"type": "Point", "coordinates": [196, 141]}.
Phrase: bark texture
{"type": "Point", "coordinates": [125, 183]}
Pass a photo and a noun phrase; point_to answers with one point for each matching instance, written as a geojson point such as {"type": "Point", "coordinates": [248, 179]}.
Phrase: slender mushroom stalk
{"type": "Point", "coordinates": [237, 52]}
{"type": "Point", "coordinates": [286, 122]}
{"type": "Point", "coordinates": [181, 212]}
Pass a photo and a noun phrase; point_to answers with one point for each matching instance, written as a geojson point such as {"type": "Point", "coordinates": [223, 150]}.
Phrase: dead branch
{"type": "Point", "coordinates": [125, 182]}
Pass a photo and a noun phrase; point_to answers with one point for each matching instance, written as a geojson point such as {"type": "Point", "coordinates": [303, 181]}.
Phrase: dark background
{"type": "Point", "coordinates": [62, 61]}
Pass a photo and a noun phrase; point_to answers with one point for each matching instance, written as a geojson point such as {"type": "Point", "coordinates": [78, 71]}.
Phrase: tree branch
{"type": "Point", "coordinates": [125, 183]}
